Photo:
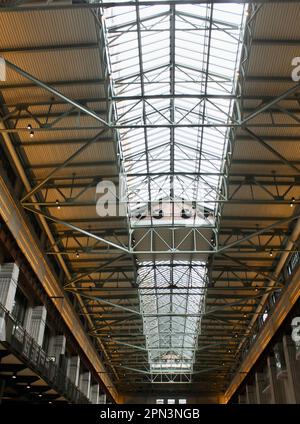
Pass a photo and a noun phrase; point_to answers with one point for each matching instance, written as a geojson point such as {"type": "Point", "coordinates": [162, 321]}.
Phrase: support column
{"type": "Point", "coordinates": [94, 395]}
{"type": "Point", "coordinates": [259, 386]}
{"type": "Point", "coordinates": [73, 369]}
{"type": "Point", "coordinates": [85, 383]}
{"type": "Point", "coordinates": [279, 359]}
{"type": "Point", "coordinates": [250, 394]}
{"type": "Point", "coordinates": [37, 323]}
{"type": "Point", "coordinates": [102, 399]}
{"type": "Point", "coordinates": [242, 399]}
{"type": "Point", "coordinates": [27, 319]}
{"type": "Point", "coordinates": [57, 347]}
{"type": "Point", "coordinates": [293, 370]}
{"type": "Point", "coordinates": [281, 373]}
{"type": "Point", "coordinates": [277, 392]}
{"type": "Point", "coordinates": [9, 274]}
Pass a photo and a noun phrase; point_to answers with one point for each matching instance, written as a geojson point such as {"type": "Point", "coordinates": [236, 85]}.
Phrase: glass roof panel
{"type": "Point", "coordinates": [173, 73]}
{"type": "Point", "coordinates": [172, 316]}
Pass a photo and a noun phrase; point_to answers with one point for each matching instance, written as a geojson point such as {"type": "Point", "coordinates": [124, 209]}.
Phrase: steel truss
{"type": "Point", "coordinates": [169, 112]}
{"type": "Point", "coordinates": [26, 5]}
{"type": "Point", "coordinates": [283, 199]}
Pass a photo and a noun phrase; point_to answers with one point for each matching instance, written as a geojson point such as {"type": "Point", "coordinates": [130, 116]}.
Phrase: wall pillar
{"type": "Point", "coordinates": [9, 274]}
{"type": "Point", "coordinates": [37, 323]}
{"type": "Point", "coordinates": [276, 388]}
{"type": "Point", "coordinates": [73, 369]}
{"type": "Point", "coordinates": [57, 347]}
{"type": "Point", "coordinates": [27, 319]}
{"type": "Point", "coordinates": [242, 399]}
{"type": "Point", "coordinates": [250, 394]}
{"type": "Point", "coordinates": [94, 395]}
{"type": "Point", "coordinates": [102, 399]}
{"type": "Point", "coordinates": [259, 386]}
{"type": "Point", "coordinates": [293, 370]}
{"type": "Point", "coordinates": [282, 374]}
{"type": "Point", "coordinates": [85, 383]}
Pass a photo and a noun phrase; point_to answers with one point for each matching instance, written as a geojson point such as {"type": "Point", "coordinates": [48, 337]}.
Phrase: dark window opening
{"type": "Point", "coordinates": [46, 340]}
{"type": "Point", "coordinates": [5, 163]}
{"type": "Point", "coordinates": [20, 307]}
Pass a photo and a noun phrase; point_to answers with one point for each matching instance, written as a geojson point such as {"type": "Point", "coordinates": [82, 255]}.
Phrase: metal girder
{"type": "Point", "coordinates": [73, 227]}
{"type": "Point", "coordinates": [62, 165]}
{"type": "Point", "coordinates": [233, 316]}
{"type": "Point", "coordinates": [84, 100]}
{"type": "Point", "coordinates": [272, 150]}
{"type": "Point", "coordinates": [50, 47]}
{"type": "Point", "coordinates": [200, 96]}
{"type": "Point", "coordinates": [55, 92]}
{"type": "Point", "coordinates": [246, 163]}
{"type": "Point", "coordinates": [169, 376]}
{"type": "Point", "coordinates": [91, 113]}
{"type": "Point", "coordinates": [132, 250]}
{"type": "Point", "coordinates": [25, 5]}
{"type": "Point", "coordinates": [98, 269]}
{"type": "Point", "coordinates": [71, 165]}
{"type": "Point", "coordinates": [52, 118]}
{"type": "Point", "coordinates": [144, 348]}
{"type": "Point", "coordinates": [225, 290]}
{"type": "Point", "coordinates": [51, 84]}
{"type": "Point", "coordinates": [195, 125]}
{"type": "Point", "coordinates": [244, 178]}
{"type": "Point", "coordinates": [211, 311]}
{"type": "Point", "coordinates": [96, 128]}
{"type": "Point", "coordinates": [261, 231]}
{"type": "Point", "coordinates": [59, 142]}
{"type": "Point", "coordinates": [275, 42]}
{"type": "Point", "coordinates": [259, 218]}
{"type": "Point", "coordinates": [70, 204]}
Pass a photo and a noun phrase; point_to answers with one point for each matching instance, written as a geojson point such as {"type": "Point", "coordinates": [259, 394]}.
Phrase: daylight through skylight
{"type": "Point", "coordinates": [173, 74]}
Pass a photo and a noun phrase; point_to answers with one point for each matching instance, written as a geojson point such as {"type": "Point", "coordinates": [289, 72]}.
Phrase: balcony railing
{"type": "Point", "coordinates": [286, 274]}
{"type": "Point", "coordinates": [12, 333]}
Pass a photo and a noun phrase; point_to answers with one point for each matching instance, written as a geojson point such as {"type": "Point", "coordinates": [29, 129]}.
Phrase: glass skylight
{"type": "Point", "coordinates": [173, 75]}
{"type": "Point", "coordinates": [172, 300]}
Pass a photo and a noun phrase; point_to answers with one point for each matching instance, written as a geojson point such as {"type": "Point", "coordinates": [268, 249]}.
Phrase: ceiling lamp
{"type": "Point", "coordinates": [185, 213]}
{"type": "Point", "coordinates": [157, 213]}
{"type": "Point", "coordinates": [139, 214]}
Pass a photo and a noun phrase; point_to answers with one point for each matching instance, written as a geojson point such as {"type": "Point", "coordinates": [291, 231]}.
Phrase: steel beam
{"type": "Point", "coordinates": [55, 92]}
{"type": "Point", "coordinates": [25, 5]}
{"type": "Point", "coordinates": [59, 83]}
{"type": "Point", "coordinates": [49, 48]}
{"type": "Point", "coordinates": [62, 165]}
{"type": "Point", "coordinates": [79, 203]}
{"type": "Point", "coordinates": [81, 230]}
{"type": "Point", "coordinates": [261, 141]}
{"type": "Point", "coordinates": [256, 233]}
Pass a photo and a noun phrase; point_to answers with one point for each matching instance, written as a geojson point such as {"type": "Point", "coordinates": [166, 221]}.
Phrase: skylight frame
{"type": "Point", "coordinates": [150, 102]}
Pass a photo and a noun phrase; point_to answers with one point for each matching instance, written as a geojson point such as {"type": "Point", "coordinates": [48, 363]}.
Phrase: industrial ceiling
{"type": "Point", "coordinates": [189, 108]}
